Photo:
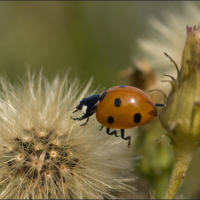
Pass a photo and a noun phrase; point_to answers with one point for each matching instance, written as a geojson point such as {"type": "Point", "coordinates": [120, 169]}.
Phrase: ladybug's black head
{"type": "Point", "coordinates": [88, 105]}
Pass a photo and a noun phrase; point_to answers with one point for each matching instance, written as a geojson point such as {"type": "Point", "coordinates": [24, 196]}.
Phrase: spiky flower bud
{"type": "Point", "coordinates": [180, 115]}
{"type": "Point", "coordinates": [46, 155]}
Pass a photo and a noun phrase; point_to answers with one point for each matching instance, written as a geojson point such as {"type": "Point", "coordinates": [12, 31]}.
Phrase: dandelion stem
{"type": "Point", "coordinates": [182, 158]}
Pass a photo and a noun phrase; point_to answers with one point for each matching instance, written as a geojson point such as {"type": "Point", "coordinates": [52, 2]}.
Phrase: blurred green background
{"type": "Point", "coordinates": [91, 39]}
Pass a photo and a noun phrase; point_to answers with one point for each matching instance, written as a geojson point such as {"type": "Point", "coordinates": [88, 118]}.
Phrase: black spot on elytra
{"type": "Point", "coordinates": [110, 120]}
{"type": "Point", "coordinates": [117, 102]}
{"type": "Point", "coordinates": [137, 118]}
{"type": "Point", "coordinates": [122, 86]}
{"type": "Point", "coordinates": [102, 96]}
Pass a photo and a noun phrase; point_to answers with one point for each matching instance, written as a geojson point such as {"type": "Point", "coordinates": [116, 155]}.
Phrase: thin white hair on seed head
{"type": "Point", "coordinates": [45, 154]}
{"type": "Point", "coordinates": [168, 35]}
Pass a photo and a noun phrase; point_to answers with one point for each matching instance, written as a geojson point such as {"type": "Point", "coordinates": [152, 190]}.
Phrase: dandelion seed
{"type": "Point", "coordinates": [167, 34]}
{"type": "Point", "coordinates": [46, 155]}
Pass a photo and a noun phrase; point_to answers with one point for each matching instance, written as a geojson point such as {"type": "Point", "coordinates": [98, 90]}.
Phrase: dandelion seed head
{"type": "Point", "coordinates": [45, 154]}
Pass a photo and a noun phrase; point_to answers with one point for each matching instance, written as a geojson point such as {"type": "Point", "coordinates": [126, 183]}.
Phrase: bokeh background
{"type": "Point", "coordinates": [91, 38]}
{"type": "Point", "coordinates": [99, 39]}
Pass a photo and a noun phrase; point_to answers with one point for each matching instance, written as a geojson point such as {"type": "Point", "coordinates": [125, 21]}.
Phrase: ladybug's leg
{"type": "Point", "coordinates": [83, 117]}
{"type": "Point", "coordinates": [79, 118]}
{"type": "Point", "coordinates": [111, 133]}
{"type": "Point", "coordinates": [101, 128]}
{"type": "Point", "coordinates": [85, 122]}
{"type": "Point", "coordinates": [126, 138]}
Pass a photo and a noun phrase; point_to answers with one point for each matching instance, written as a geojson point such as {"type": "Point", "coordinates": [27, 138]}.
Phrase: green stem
{"type": "Point", "coordinates": [182, 158]}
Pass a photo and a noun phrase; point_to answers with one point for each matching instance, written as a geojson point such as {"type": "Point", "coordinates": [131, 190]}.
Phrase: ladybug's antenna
{"type": "Point", "coordinates": [159, 104]}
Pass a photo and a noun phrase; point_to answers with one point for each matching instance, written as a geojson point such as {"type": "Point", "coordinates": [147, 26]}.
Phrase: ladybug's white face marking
{"type": "Point", "coordinates": [84, 108]}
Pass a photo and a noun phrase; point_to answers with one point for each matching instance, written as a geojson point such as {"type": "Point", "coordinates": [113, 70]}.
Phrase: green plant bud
{"type": "Point", "coordinates": [180, 115]}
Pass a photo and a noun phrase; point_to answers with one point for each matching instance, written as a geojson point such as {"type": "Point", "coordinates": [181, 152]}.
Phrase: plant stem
{"type": "Point", "coordinates": [182, 158]}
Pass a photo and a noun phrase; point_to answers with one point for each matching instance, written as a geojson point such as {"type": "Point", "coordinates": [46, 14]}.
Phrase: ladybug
{"type": "Point", "coordinates": [120, 107]}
